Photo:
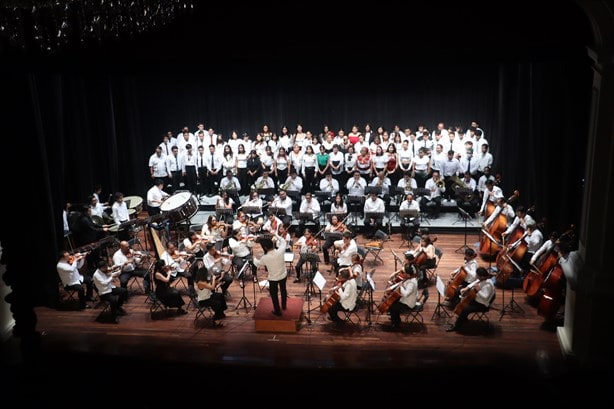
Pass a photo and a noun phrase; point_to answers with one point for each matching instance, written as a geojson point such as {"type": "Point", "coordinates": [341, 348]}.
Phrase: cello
{"type": "Point", "coordinates": [492, 238]}
{"type": "Point", "coordinates": [333, 297]}
{"type": "Point", "coordinates": [456, 282]}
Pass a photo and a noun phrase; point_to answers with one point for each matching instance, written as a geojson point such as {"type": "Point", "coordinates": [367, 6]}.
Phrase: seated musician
{"type": "Point", "coordinates": [457, 281]}
{"type": "Point", "coordinates": [265, 181]}
{"type": "Point", "coordinates": [407, 183]}
{"type": "Point", "coordinates": [436, 187]}
{"type": "Point", "coordinates": [213, 231]}
{"type": "Point", "coordinates": [115, 296]}
{"type": "Point", "coordinates": [231, 185]}
{"type": "Point", "coordinates": [502, 207]}
{"type": "Point", "coordinates": [469, 202]}
{"type": "Point", "coordinates": [534, 239]}
{"type": "Point", "coordinates": [356, 185]}
{"type": "Point", "coordinates": [68, 269]}
{"type": "Point", "coordinates": [329, 185]}
{"type": "Point", "coordinates": [206, 296]}
{"type": "Point", "coordinates": [310, 206]}
{"type": "Point", "coordinates": [155, 197]}
{"type": "Point", "coordinates": [241, 247]}
{"type": "Point", "coordinates": [333, 231]}
{"type": "Point", "coordinates": [491, 194]}
{"type": "Point", "coordinates": [120, 215]}
{"type": "Point", "coordinates": [87, 232]}
{"type": "Point", "coordinates": [253, 202]}
{"type": "Point", "coordinates": [308, 244]}
{"type": "Point", "coordinates": [356, 270]}
{"type": "Point", "coordinates": [348, 294]}
{"type": "Point", "coordinates": [272, 224]}
{"type": "Point", "coordinates": [177, 261]}
{"type": "Point", "coordinates": [169, 296]}
{"type": "Point", "coordinates": [130, 263]}
{"type": "Point", "coordinates": [545, 248]}
{"type": "Point", "coordinates": [382, 181]}
{"type": "Point", "coordinates": [480, 292]}
{"type": "Point", "coordinates": [521, 220]}
{"type": "Point", "coordinates": [373, 204]}
{"type": "Point", "coordinates": [217, 263]}
{"type": "Point", "coordinates": [338, 205]}
{"type": "Point", "coordinates": [282, 201]}
{"type": "Point", "coordinates": [409, 225]}
{"type": "Point", "coordinates": [225, 202]}
{"type": "Point", "coordinates": [247, 227]}
{"type": "Point", "coordinates": [344, 250]}
{"type": "Point", "coordinates": [408, 288]}
{"type": "Point", "coordinates": [427, 245]}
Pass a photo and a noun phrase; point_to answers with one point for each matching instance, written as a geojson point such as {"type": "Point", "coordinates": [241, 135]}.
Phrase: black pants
{"type": "Point", "coordinates": [217, 302]}
{"type": "Point", "coordinates": [276, 287]}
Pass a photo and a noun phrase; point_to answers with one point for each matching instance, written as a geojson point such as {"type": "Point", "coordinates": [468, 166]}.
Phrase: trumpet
{"type": "Point", "coordinates": [440, 183]}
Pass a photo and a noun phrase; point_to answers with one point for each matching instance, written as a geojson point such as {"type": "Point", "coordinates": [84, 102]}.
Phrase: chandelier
{"type": "Point", "coordinates": [48, 26]}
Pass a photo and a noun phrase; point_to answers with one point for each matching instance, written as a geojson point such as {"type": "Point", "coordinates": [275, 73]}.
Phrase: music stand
{"type": "Point", "coordinates": [407, 234]}
{"type": "Point", "coordinates": [266, 191]}
{"type": "Point", "coordinates": [461, 249]}
{"type": "Point", "coordinates": [278, 211]}
{"type": "Point", "coordinates": [440, 310]}
{"type": "Point", "coordinates": [512, 306]}
{"type": "Point", "coordinates": [340, 216]}
{"type": "Point", "coordinates": [223, 214]}
{"type": "Point", "coordinates": [355, 205]}
{"type": "Point", "coordinates": [378, 216]}
{"type": "Point", "coordinates": [322, 196]}
{"type": "Point", "coordinates": [420, 192]}
{"type": "Point", "coordinates": [252, 211]}
{"type": "Point", "coordinates": [370, 287]}
{"type": "Point", "coordinates": [305, 217]}
{"type": "Point", "coordinates": [243, 299]}
{"type": "Point", "coordinates": [373, 189]}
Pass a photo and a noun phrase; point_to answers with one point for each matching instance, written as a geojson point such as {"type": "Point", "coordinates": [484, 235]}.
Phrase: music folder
{"type": "Point", "coordinates": [252, 210]}
{"type": "Point", "coordinates": [421, 191]}
{"type": "Point", "coordinates": [340, 216]}
{"type": "Point", "coordinates": [305, 216]}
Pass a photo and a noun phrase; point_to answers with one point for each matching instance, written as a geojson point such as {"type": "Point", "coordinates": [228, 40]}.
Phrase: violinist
{"type": "Point", "coordinates": [344, 249]}
{"type": "Point", "coordinates": [241, 248]}
{"type": "Point", "coordinates": [68, 269]}
{"type": "Point", "coordinates": [206, 296]}
{"type": "Point", "coordinates": [457, 282]}
{"type": "Point", "coordinates": [213, 230]}
{"type": "Point", "coordinates": [175, 260]}
{"type": "Point", "coordinates": [129, 263]}
{"type": "Point", "coordinates": [309, 253]}
{"type": "Point", "coordinates": [217, 263]}
{"type": "Point", "coordinates": [336, 226]}
{"type": "Point", "coordinates": [347, 291]}
{"type": "Point", "coordinates": [408, 288]}
{"type": "Point", "coordinates": [169, 296]}
{"type": "Point", "coordinates": [272, 224]}
{"type": "Point", "coordinates": [482, 290]}
{"type": "Point", "coordinates": [115, 296]}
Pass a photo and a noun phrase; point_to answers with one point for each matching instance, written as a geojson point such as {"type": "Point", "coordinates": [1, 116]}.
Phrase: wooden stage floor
{"type": "Point", "coordinates": [512, 352]}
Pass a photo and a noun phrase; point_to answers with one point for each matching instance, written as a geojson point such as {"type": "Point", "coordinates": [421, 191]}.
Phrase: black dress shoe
{"type": "Point", "coordinates": [278, 313]}
{"type": "Point", "coordinates": [121, 311]}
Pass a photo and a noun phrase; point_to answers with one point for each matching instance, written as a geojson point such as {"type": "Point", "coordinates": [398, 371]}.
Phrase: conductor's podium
{"type": "Point", "coordinates": [289, 321]}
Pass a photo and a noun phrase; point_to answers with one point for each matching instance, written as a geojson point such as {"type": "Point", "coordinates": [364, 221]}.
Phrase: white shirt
{"type": "Point", "coordinates": [158, 165]}
{"type": "Point", "coordinates": [310, 206]}
{"type": "Point", "coordinates": [104, 282]}
{"type": "Point", "coordinates": [374, 206]}
{"type": "Point", "coordinates": [344, 258]}
{"type": "Point", "coordinates": [330, 185]}
{"type": "Point", "coordinates": [274, 261]}
{"type": "Point", "coordinates": [155, 196]}
{"type": "Point", "coordinates": [120, 212]}
{"type": "Point", "coordinates": [69, 273]}
{"type": "Point", "coordinates": [348, 293]}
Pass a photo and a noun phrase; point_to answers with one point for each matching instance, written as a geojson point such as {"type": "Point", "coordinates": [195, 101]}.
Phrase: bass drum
{"type": "Point", "coordinates": [179, 207]}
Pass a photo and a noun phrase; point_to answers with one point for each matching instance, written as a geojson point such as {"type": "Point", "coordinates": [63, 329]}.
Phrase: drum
{"type": "Point", "coordinates": [99, 221]}
{"type": "Point", "coordinates": [180, 206]}
{"type": "Point", "coordinates": [134, 202]}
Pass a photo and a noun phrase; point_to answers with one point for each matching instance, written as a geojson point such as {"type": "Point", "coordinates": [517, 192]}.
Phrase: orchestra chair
{"type": "Point", "coordinates": [415, 314]}
{"type": "Point", "coordinates": [68, 297]}
{"type": "Point", "coordinates": [352, 316]}
{"type": "Point", "coordinates": [430, 274]}
{"type": "Point", "coordinates": [202, 313]}
{"type": "Point", "coordinates": [375, 247]}
{"type": "Point", "coordinates": [482, 315]}
{"type": "Point", "coordinates": [102, 303]}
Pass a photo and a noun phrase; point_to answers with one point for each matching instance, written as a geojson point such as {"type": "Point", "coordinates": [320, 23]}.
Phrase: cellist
{"type": "Point", "coordinates": [457, 281]}
{"type": "Point", "coordinates": [408, 289]}
{"type": "Point", "coordinates": [348, 294]}
{"type": "Point", "coordinates": [479, 294]}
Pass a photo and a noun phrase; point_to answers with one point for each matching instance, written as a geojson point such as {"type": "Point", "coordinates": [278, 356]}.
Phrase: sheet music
{"type": "Point", "coordinates": [319, 280]}
{"type": "Point", "coordinates": [264, 284]}
{"type": "Point", "coordinates": [441, 287]}
{"type": "Point", "coordinates": [371, 282]}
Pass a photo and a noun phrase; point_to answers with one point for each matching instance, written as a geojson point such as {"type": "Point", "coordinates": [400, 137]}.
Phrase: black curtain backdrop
{"type": "Point", "coordinates": [75, 122]}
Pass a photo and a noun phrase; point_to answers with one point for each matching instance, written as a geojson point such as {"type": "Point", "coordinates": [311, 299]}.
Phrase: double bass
{"type": "Point", "coordinates": [553, 294]}
{"type": "Point", "coordinates": [491, 240]}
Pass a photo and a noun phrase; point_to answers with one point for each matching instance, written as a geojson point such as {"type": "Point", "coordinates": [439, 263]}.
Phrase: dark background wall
{"type": "Point", "coordinates": [93, 113]}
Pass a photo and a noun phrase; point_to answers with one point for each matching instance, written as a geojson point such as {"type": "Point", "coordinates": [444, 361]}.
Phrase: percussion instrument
{"type": "Point", "coordinates": [134, 203]}
{"type": "Point", "coordinates": [180, 206]}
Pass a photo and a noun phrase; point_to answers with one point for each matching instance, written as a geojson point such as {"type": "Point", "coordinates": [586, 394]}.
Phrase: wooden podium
{"type": "Point", "coordinates": [288, 322]}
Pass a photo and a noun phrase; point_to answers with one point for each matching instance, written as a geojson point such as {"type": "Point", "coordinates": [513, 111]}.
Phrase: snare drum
{"type": "Point", "coordinates": [180, 207]}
